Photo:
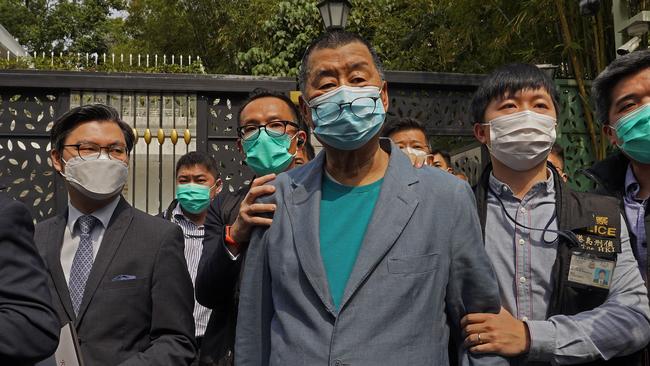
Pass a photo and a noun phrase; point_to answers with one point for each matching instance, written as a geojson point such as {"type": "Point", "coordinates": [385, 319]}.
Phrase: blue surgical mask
{"type": "Point", "coordinates": [633, 129]}
{"type": "Point", "coordinates": [347, 117]}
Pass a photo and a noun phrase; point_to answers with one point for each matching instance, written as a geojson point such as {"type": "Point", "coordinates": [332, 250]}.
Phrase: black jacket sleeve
{"type": "Point", "coordinates": [29, 327]}
{"type": "Point", "coordinates": [217, 273]}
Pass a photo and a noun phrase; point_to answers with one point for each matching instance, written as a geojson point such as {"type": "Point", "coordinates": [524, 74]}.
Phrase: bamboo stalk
{"type": "Point", "coordinates": [578, 73]}
{"type": "Point", "coordinates": [601, 66]}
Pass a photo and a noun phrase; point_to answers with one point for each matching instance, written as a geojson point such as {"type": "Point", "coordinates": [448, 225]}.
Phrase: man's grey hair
{"type": "Point", "coordinates": [334, 39]}
{"type": "Point", "coordinates": [622, 67]}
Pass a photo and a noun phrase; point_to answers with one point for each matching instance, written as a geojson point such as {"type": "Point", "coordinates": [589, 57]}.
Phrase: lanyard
{"type": "Point", "coordinates": [567, 234]}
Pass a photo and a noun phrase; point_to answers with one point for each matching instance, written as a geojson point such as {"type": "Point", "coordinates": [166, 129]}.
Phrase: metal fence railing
{"type": "Point", "coordinates": [172, 114]}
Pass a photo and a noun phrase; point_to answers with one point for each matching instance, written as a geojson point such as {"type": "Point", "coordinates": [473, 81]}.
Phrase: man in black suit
{"type": "Point", "coordinates": [29, 328]}
{"type": "Point", "coordinates": [265, 119]}
{"type": "Point", "coordinates": [118, 274]}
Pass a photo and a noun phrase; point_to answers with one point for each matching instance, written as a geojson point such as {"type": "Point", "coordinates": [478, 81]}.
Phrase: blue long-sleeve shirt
{"type": "Point", "coordinates": [635, 212]}
{"type": "Point", "coordinates": [523, 263]}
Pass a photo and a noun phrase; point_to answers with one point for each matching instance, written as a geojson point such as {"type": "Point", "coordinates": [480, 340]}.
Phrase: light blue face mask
{"type": "Point", "coordinates": [347, 117]}
{"type": "Point", "coordinates": [633, 129]}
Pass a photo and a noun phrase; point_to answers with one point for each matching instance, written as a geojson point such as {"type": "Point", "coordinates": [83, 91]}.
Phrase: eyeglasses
{"type": "Point", "coordinates": [274, 129]}
{"type": "Point", "coordinates": [92, 151]}
{"type": "Point", "coordinates": [361, 107]}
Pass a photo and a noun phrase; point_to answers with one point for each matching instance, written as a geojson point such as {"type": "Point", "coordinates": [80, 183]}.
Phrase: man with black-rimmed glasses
{"type": "Point", "coordinates": [116, 273]}
{"type": "Point", "coordinates": [269, 137]}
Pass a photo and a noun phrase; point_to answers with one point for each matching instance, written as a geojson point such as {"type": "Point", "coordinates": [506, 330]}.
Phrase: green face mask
{"type": "Point", "coordinates": [633, 129]}
{"type": "Point", "coordinates": [194, 198]}
{"type": "Point", "coordinates": [268, 154]}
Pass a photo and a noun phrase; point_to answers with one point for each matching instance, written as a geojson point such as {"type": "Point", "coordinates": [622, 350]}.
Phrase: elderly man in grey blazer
{"type": "Point", "coordinates": [369, 261]}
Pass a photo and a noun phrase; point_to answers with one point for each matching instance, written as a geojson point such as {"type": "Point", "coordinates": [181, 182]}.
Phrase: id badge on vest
{"type": "Point", "coordinates": [594, 259]}
{"type": "Point", "coordinates": [589, 270]}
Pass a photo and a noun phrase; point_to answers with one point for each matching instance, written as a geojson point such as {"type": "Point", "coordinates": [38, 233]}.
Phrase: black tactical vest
{"type": "Point", "coordinates": [591, 225]}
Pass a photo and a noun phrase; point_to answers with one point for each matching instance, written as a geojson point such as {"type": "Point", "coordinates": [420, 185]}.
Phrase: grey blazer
{"type": "Point", "coordinates": [138, 302]}
{"type": "Point", "coordinates": [421, 266]}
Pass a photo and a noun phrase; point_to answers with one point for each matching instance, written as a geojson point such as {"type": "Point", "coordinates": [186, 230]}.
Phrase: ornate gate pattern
{"type": "Point", "coordinates": [173, 114]}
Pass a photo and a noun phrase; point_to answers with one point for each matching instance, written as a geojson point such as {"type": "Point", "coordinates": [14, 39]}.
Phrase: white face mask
{"type": "Point", "coordinates": [418, 157]}
{"type": "Point", "coordinates": [411, 151]}
{"type": "Point", "coordinates": [522, 140]}
{"type": "Point", "coordinates": [97, 179]}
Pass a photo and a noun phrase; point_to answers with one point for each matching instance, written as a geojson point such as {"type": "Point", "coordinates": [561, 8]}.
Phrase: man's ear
{"type": "Point", "coordinates": [218, 186]}
{"type": "Point", "coordinates": [609, 131]}
{"type": "Point", "coordinates": [240, 148]}
{"type": "Point", "coordinates": [384, 96]}
{"type": "Point", "coordinates": [301, 139]}
{"type": "Point", "coordinates": [305, 111]}
{"type": "Point", "coordinates": [481, 134]}
{"type": "Point", "coordinates": [55, 156]}
{"type": "Point", "coordinates": [296, 145]}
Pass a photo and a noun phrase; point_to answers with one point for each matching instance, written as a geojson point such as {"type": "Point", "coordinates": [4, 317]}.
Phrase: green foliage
{"type": "Point", "coordinates": [421, 35]}
{"type": "Point", "coordinates": [465, 36]}
{"type": "Point", "coordinates": [268, 37]}
{"type": "Point", "coordinates": [215, 30]}
{"type": "Point", "coordinates": [71, 62]}
{"type": "Point", "coordinates": [76, 26]}
{"type": "Point", "coordinates": [290, 30]}
{"type": "Point", "coordinates": [457, 36]}
{"type": "Point", "coordinates": [20, 63]}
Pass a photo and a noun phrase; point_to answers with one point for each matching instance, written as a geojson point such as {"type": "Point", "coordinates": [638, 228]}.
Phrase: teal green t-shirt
{"type": "Point", "coordinates": [345, 213]}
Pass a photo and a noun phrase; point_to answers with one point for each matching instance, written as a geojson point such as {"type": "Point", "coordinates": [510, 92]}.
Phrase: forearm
{"type": "Point", "coordinates": [217, 274]}
{"type": "Point", "coordinates": [603, 333]}
{"type": "Point", "coordinates": [618, 327]}
{"type": "Point", "coordinates": [472, 284]}
{"type": "Point", "coordinates": [29, 326]}
{"type": "Point", "coordinates": [255, 307]}
{"type": "Point", "coordinates": [27, 335]}
{"type": "Point", "coordinates": [467, 292]}
{"type": "Point", "coordinates": [166, 350]}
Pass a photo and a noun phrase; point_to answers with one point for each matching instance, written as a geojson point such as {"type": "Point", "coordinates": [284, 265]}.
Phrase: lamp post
{"type": "Point", "coordinates": [334, 13]}
{"type": "Point", "coordinates": [549, 69]}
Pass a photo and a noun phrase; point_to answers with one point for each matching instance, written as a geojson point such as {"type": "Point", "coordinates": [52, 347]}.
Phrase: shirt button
{"type": "Point", "coordinates": [338, 363]}
{"type": "Point", "coordinates": [524, 319]}
{"type": "Point", "coordinates": [522, 242]}
{"type": "Point", "coordinates": [523, 210]}
{"type": "Point", "coordinates": [522, 279]}
{"type": "Point", "coordinates": [504, 188]}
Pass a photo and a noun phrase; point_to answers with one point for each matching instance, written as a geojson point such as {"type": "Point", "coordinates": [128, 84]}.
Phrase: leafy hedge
{"type": "Point", "coordinates": [74, 63]}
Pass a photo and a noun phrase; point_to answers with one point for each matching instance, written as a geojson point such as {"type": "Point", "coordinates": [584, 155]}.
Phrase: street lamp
{"type": "Point", "coordinates": [334, 13]}
{"type": "Point", "coordinates": [548, 69]}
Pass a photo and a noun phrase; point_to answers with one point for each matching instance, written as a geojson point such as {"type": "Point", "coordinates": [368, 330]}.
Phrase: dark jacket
{"type": "Point", "coordinates": [167, 214]}
{"type": "Point", "coordinates": [576, 212]}
{"type": "Point", "coordinates": [29, 326]}
{"type": "Point", "coordinates": [137, 306]}
{"type": "Point", "coordinates": [609, 176]}
{"type": "Point", "coordinates": [217, 281]}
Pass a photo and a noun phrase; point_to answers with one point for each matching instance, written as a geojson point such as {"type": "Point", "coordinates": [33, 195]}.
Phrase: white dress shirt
{"type": "Point", "coordinates": [71, 236]}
